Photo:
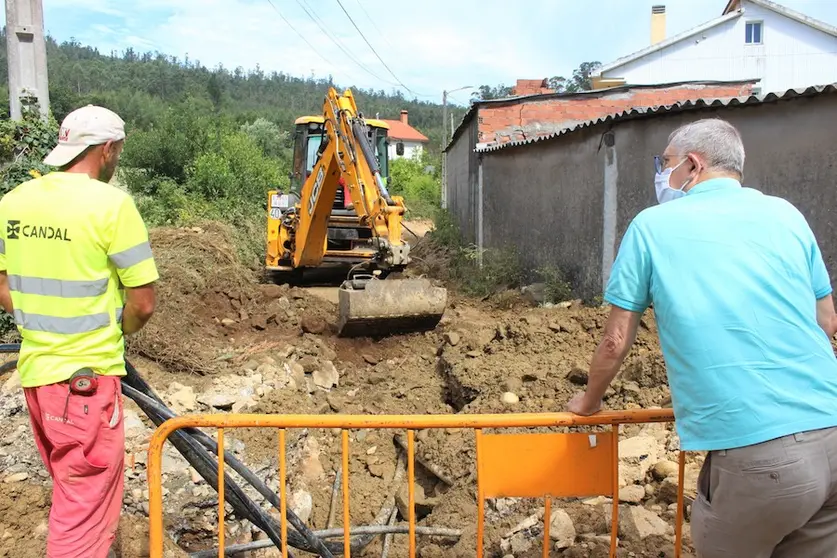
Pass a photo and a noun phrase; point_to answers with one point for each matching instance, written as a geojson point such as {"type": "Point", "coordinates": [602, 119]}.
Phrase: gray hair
{"type": "Point", "coordinates": [716, 140]}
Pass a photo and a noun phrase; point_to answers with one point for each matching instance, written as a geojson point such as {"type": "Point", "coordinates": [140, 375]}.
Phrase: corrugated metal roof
{"type": "Point", "coordinates": [580, 94]}
{"type": "Point", "coordinates": [641, 112]}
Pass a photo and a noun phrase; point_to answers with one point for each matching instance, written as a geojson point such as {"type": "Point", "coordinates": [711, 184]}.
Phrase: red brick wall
{"type": "Point", "coordinates": [527, 119]}
{"type": "Point", "coordinates": [531, 87]}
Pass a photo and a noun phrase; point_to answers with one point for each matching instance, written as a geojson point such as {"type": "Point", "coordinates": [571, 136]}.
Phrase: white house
{"type": "Point", "coordinates": [751, 39]}
{"type": "Point", "coordinates": [404, 140]}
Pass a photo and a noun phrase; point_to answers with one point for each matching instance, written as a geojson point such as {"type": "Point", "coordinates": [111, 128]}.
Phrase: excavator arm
{"type": "Point", "coordinates": [371, 303]}
{"type": "Point", "coordinates": [347, 159]}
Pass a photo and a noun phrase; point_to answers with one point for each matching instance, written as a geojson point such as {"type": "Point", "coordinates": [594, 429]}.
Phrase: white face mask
{"type": "Point", "coordinates": [663, 186]}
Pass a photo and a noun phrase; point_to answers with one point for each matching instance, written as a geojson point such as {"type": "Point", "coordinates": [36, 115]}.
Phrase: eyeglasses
{"type": "Point", "coordinates": [658, 163]}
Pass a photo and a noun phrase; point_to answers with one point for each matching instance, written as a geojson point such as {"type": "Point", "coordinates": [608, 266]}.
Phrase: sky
{"type": "Point", "coordinates": [423, 46]}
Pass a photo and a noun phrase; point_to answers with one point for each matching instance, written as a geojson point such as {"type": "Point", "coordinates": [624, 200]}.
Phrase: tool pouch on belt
{"type": "Point", "coordinates": [84, 382]}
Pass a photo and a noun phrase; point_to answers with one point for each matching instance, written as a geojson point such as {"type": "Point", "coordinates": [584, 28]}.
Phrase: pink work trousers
{"type": "Point", "coordinates": [82, 442]}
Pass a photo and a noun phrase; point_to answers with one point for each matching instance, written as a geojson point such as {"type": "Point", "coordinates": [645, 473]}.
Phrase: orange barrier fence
{"type": "Point", "coordinates": [545, 465]}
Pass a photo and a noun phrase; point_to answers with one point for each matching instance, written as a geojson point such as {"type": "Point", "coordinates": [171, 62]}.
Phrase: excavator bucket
{"type": "Point", "coordinates": [380, 307]}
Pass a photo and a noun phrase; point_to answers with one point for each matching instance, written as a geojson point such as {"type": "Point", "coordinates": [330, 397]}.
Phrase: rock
{"type": "Point", "coordinates": [302, 504]}
{"type": "Point", "coordinates": [12, 385]}
{"type": "Point", "coordinates": [510, 399]}
{"type": "Point", "coordinates": [555, 327]}
{"type": "Point", "coordinates": [311, 467]}
{"type": "Point", "coordinates": [17, 477]}
{"type": "Point", "coordinates": [484, 338]}
{"type": "Point", "coordinates": [251, 365]}
{"type": "Point", "coordinates": [513, 384]}
{"type": "Point", "coordinates": [41, 530]}
{"type": "Point", "coordinates": [309, 364]}
{"type": "Point", "coordinates": [534, 293]}
{"type": "Point", "coordinates": [518, 544]}
{"type": "Point", "coordinates": [371, 359]}
{"type": "Point", "coordinates": [641, 524]}
{"type": "Point", "coordinates": [637, 455]}
{"type": "Point", "coordinates": [528, 523]}
{"type": "Point", "coordinates": [271, 291]}
{"type": "Point", "coordinates": [597, 501]}
{"type": "Point", "coordinates": [384, 470]}
{"type": "Point", "coordinates": [668, 488]}
{"type": "Point", "coordinates": [245, 404]}
{"type": "Point", "coordinates": [650, 490]}
{"type": "Point", "coordinates": [632, 494]}
{"type": "Point", "coordinates": [577, 376]}
{"type": "Point", "coordinates": [561, 529]}
{"type": "Point", "coordinates": [473, 354]}
{"type": "Point", "coordinates": [424, 505]}
{"type": "Point", "coordinates": [182, 398]}
{"type": "Point", "coordinates": [259, 323]}
{"type": "Point", "coordinates": [452, 338]}
{"type": "Point", "coordinates": [313, 324]}
{"type": "Point", "coordinates": [222, 401]}
{"type": "Point", "coordinates": [134, 427]}
{"type": "Point", "coordinates": [228, 322]}
{"type": "Point", "coordinates": [665, 469]}
{"type": "Point", "coordinates": [327, 376]}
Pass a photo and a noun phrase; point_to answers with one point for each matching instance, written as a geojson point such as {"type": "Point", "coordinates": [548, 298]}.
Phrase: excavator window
{"type": "Point", "coordinates": [314, 142]}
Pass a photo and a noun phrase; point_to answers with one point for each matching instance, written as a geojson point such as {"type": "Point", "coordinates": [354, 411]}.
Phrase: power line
{"type": "Point", "coordinates": [401, 83]}
{"type": "Point", "coordinates": [322, 25]}
{"type": "Point", "coordinates": [326, 60]}
{"type": "Point", "coordinates": [380, 33]}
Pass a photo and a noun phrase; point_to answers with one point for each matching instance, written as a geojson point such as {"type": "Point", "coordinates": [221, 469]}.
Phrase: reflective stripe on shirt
{"type": "Point", "coordinates": [132, 256]}
{"type": "Point", "coordinates": [57, 287]}
{"type": "Point", "coordinates": [59, 324]}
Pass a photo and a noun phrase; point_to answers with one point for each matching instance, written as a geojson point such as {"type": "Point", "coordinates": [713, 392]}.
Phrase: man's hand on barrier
{"type": "Point", "coordinates": [580, 405]}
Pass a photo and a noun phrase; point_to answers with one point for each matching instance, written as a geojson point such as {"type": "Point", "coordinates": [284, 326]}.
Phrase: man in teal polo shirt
{"type": "Point", "coordinates": [745, 315]}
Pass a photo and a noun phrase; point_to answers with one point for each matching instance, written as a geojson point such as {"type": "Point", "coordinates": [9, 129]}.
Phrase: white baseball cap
{"type": "Point", "coordinates": [90, 125]}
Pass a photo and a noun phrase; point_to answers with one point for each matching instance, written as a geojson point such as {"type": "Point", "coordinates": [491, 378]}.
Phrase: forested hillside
{"type": "Point", "coordinates": [202, 143]}
{"type": "Point", "coordinates": [140, 86]}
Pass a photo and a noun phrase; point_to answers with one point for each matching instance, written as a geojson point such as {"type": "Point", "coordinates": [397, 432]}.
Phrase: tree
{"type": "Point", "coordinates": [486, 92]}
{"type": "Point", "coordinates": [581, 79]}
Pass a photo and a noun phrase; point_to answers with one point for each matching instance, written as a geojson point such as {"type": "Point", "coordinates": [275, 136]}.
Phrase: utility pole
{"type": "Point", "coordinates": [444, 153]}
{"type": "Point", "coordinates": [26, 52]}
{"type": "Point", "coordinates": [445, 143]}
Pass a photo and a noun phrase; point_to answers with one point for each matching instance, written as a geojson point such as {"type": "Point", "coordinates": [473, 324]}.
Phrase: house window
{"type": "Point", "coordinates": [753, 33]}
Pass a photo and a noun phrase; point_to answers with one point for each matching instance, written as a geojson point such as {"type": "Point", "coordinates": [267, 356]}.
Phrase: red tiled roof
{"type": "Point", "coordinates": [399, 130]}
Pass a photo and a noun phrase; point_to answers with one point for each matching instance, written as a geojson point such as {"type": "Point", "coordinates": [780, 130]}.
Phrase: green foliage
{"type": "Point", "coordinates": [473, 271]}
{"type": "Point", "coordinates": [581, 80]}
{"type": "Point", "coordinates": [273, 140]}
{"type": "Point", "coordinates": [238, 172]}
{"type": "Point", "coordinates": [500, 270]}
{"type": "Point", "coordinates": [23, 146]}
{"type": "Point", "coordinates": [421, 189]}
{"type": "Point", "coordinates": [557, 288]}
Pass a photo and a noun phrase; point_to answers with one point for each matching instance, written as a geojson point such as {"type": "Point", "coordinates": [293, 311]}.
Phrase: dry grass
{"type": "Point", "coordinates": [201, 279]}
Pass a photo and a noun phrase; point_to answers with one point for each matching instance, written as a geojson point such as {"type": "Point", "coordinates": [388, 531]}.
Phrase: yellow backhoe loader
{"type": "Point", "coordinates": [338, 211]}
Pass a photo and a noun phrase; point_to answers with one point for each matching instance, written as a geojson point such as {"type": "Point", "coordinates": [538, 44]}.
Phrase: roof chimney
{"type": "Point", "coordinates": [658, 24]}
{"type": "Point", "coordinates": [404, 117]}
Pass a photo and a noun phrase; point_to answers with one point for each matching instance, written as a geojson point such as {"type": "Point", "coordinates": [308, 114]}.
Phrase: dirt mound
{"type": "Point", "coordinates": [208, 300]}
{"type": "Point", "coordinates": [200, 275]}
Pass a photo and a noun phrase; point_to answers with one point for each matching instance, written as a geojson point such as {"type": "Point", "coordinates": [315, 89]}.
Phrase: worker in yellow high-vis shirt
{"type": "Point", "coordinates": [77, 274]}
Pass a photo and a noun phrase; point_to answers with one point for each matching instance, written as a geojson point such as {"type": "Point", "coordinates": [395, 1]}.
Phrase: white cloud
{"type": "Point", "coordinates": [431, 45]}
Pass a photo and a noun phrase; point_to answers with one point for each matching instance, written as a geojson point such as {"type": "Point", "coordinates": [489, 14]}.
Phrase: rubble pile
{"type": "Point", "coordinates": [272, 349]}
